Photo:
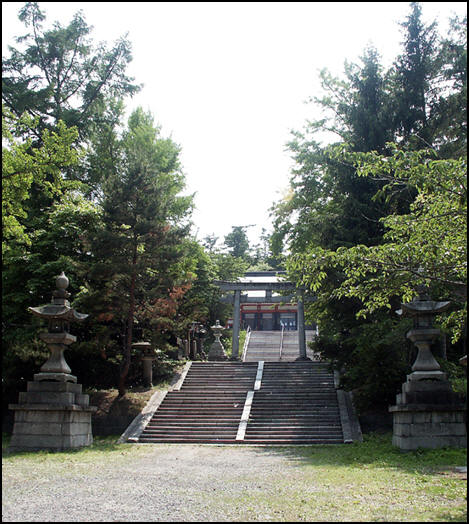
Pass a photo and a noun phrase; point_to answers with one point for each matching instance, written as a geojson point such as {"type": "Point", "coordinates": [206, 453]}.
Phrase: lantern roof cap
{"type": "Point", "coordinates": [62, 312]}
{"type": "Point", "coordinates": [59, 308]}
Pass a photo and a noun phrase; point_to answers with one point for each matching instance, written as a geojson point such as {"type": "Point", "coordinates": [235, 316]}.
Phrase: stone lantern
{"type": "Point", "coordinates": [58, 314]}
{"type": "Point", "coordinates": [148, 356]}
{"type": "Point", "coordinates": [427, 413]}
{"type": "Point", "coordinates": [53, 413]}
{"type": "Point", "coordinates": [217, 351]}
{"type": "Point", "coordinates": [422, 310]}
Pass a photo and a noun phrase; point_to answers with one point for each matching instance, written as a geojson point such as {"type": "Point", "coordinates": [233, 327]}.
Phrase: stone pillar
{"type": "Point", "coordinates": [147, 371]}
{"type": "Point", "coordinates": [236, 317]}
{"type": "Point", "coordinates": [301, 330]}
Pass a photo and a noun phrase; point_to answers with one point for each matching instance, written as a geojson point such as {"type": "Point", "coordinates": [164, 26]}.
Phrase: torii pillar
{"type": "Point", "coordinates": [236, 322]}
{"type": "Point", "coordinates": [301, 329]}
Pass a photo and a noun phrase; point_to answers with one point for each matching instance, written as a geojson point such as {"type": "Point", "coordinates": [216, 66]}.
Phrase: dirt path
{"type": "Point", "coordinates": [163, 483]}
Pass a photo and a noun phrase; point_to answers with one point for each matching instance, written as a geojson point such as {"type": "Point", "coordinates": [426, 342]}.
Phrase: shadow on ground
{"type": "Point", "coordinates": [376, 450]}
{"type": "Point", "coordinates": [105, 444]}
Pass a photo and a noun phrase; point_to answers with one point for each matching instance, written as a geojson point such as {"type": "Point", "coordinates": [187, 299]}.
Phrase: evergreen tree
{"type": "Point", "coordinates": [57, 74]}
{"type": "Point", "coordinates": [237, 242]}
{"type": "Point", "coordinates": [140, 268]}
{"type": "Point", "coordinates": [415, 72]}
{"type": "Point", "coordinates": [449, 112]}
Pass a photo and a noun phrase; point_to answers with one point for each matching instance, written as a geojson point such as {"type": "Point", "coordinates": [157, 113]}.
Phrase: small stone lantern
{"type": "Point", "coordinates": [148, 356]}
{"type": "Point", "coordinates": [54, 413]}
{"type": "Point", "coordinates": [427, 413]}
{"type": "Point", "coordinates": [217, 351]}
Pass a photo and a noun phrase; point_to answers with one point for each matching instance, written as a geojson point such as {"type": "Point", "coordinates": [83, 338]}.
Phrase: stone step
{"type": "Point", "coordinates": [209, 430]}
{"type": "Point", "coordinates": [293, 434]}
{"type": "Point", "coordinates": [187, 440]}
{"type": "Point", "coordinates": [304, 440]}
{"type": "Point", "coordinates": [205, 419]}
{"type": "Point", "coordinates": [254, 426]}
{"type": "Point", "coordinates": [200, 410]}
{"type": "Point", "coordinates": [196, 396]}
{"type": "Point", "coordinates": [193, 424]}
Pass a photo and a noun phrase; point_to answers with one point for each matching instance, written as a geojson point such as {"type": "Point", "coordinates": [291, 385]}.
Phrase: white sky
{"type": "Point", "coordinates": [228, 80]}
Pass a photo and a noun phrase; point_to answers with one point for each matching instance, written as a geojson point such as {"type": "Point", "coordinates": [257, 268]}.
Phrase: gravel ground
{"type": "Point", "coordinates": [210, 483]}
{"type": "Point", "coordinates": [163, 483]}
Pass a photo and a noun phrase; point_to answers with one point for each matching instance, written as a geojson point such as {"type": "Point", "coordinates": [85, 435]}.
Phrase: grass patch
{"type": "Point", "coordinates": [102, 446]}
{"type": "Point", "coordinates": [369, 481]}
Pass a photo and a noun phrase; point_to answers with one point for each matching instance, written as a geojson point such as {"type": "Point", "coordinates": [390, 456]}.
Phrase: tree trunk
{"type": "Point", "coordinates": [130, 324]}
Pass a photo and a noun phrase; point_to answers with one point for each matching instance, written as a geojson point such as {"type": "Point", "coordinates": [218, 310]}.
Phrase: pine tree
{"type": "Point", "coordinates": [140, 251]}
{"type": "Point", "coordinates": [416, 69]}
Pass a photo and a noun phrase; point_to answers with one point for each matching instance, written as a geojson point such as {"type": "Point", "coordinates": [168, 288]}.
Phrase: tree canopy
{"type": "Point", "coordinates": [376, 203]}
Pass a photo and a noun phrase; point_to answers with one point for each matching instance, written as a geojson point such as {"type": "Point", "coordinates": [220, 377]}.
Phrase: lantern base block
{"type": "Point", "coordinates": [428, 426]}
{"type": "Point", "coordinates": [217, 352]}
{"type": "Point", "coordinates": [51, 416]}
{"type": "Point", "coordinates": [56, 377]}
{"type": "Point", "coordinates": [428, 413]}
{"type": "Point", "coordinates": [427, 375]}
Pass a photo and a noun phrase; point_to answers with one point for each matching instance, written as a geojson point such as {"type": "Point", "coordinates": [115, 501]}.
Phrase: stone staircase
{"type": "Point", "coordinates": [296, 404]}
{"type": "Point", "coordinates": [289, 403]}
{"type": "Point", "coordinates": [265, 345]}
{"type": "Point", "coordinates": [290, 346]}
{"type": "Point", "coordinates": [208, 406]}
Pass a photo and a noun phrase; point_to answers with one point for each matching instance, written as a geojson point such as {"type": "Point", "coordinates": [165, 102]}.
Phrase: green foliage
{"type": "Point", "coordinates": [23, 165]}
{"type": "Point", "coordinates": [57, 74]}
{"type": "Point", "coordinates": [373, 214]}
{"type": "Point", "coordinates": [227, 341]}
{"type": "Point", "coordinates": [237, 242]}
{"type": "Point", "coordinates": [55, 86]}
{"type": "Point", "coordinates": [457, 375]}
{"type": "Point", "coordinates": [426, 245]}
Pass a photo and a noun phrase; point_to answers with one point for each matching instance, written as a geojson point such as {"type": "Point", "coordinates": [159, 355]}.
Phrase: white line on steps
{"type": "Point", "coordinates": [260, 370]}
{"type": "Point", "coordinates": [245, 416]}
{"type": "Point", "coordinates": [248, 403]}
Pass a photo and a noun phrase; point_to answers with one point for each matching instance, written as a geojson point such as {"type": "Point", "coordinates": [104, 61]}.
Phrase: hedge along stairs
{"type": "Point", "coordinates": [260, 403]}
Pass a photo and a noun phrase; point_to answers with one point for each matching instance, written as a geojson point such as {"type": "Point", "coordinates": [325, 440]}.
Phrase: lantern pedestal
{"type": "Point", "coordinates": [53, 416]}
{"type": "Point", "coordinates": [428, 414]}
{"type": "Point", "coordinates": [428, 426]}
